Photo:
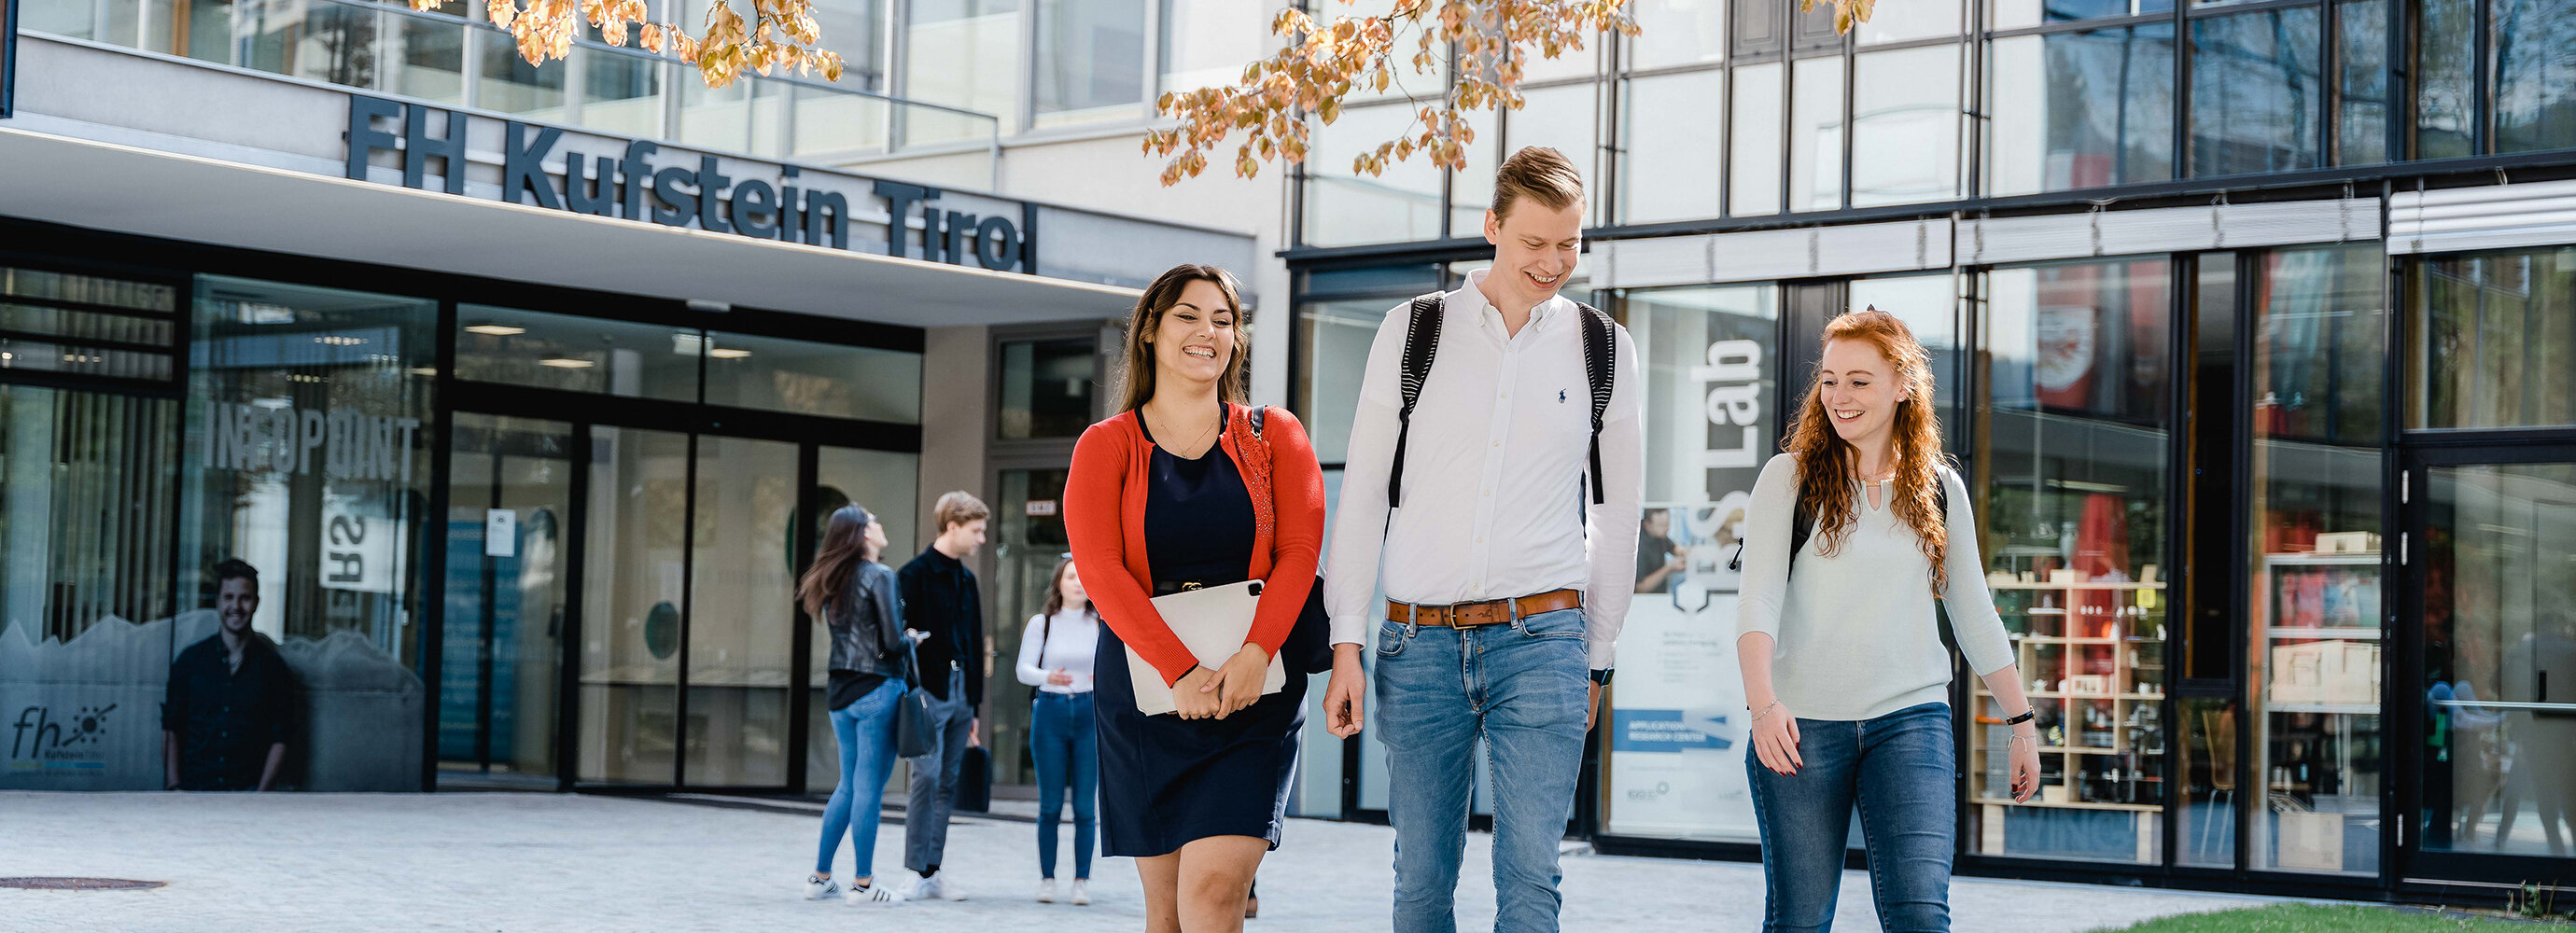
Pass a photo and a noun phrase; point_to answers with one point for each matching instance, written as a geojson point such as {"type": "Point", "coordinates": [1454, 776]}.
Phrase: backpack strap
{"type": "Point", "coordinates": [1600, 350]}
{"type": "Point", "coordinates": [1421, 341]}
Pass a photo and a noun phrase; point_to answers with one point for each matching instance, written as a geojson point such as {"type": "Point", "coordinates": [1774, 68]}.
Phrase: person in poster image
{"type": "Point", "coordinates": [224, 720]}
{"type": "Point", "coordinates": [1659, 560]}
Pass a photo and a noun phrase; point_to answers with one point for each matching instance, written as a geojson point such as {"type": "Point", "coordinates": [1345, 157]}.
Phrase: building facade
{"type": "Point", "coordinates": [2244, 317]}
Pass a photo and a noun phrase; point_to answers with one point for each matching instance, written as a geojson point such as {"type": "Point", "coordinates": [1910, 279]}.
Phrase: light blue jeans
{"type": "Point", "coordinates": [1064, 743]}
{"type": "Point", "coordinates": [865, 730]}
{"type": "Point", "coordinates": [1521, 688]}
{"type": "Point", "coordinates": [1896, 769]}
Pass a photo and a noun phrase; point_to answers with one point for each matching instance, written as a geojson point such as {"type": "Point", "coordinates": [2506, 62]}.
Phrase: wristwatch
{"type": "Point", "coordinates": [2026, 716]}
{"type": "Point", "coordinates": [1601, 677]}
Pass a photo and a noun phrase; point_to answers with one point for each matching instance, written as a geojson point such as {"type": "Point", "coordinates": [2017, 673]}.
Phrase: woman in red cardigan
{"type": "Point", "coordinates": [1177, 491]}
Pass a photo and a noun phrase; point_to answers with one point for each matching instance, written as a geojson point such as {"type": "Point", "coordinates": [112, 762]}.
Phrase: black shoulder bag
{"type": "Point", "coordinates": [1309, 648]}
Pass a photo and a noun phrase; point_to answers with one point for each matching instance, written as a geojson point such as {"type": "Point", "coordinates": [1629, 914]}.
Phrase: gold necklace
{"type": "Point", "coordinates": [1202, 437]}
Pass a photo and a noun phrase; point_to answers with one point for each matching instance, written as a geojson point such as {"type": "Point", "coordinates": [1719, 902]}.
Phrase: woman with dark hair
{"type": "Point", "coordinates": [1843, 663]}
{"type": "Point", "coordinates": [1185, 489]}
{"type": "Point", "coordinates": [854, 595]}
{"type": "Point", "coordinates": [1056, 651]}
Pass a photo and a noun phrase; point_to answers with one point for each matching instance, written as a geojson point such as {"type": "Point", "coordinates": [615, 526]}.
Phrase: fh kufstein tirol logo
{"type": "Point", "coordinates": [40, 740]}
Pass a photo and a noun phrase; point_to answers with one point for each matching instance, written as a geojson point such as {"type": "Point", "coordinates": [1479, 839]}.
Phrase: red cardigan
{"type": "Point", "coordinates": [1104, 518]}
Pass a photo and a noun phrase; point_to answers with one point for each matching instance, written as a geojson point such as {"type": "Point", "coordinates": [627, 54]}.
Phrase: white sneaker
{"type": "Point", "coordinates": [1081, 891]}
{"type": "Point", "coordinates": [875, 895]}
{"type": "Point", "coordinates": [1046, 890]}
{"type": "Point", "coordinates": [818, 888]}
{"type": "Point", "coordinates": [948, 889]}
{"type": "Point", "coordinates": [934, 888]}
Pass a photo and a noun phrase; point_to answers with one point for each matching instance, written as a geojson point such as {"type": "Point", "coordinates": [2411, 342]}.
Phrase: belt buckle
{"type": "Point", "coordinates": [1191, 585]}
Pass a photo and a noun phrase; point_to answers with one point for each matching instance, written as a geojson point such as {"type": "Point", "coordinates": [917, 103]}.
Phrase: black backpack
{"type": "Point", "coordinates": [1804, 526]}
{"type": "Point", "coordinates": [1422, 342]}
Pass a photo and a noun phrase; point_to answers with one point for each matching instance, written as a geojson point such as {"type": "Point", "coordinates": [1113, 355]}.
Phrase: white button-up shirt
{"type": "Point", "coordinates": [1495, 475]}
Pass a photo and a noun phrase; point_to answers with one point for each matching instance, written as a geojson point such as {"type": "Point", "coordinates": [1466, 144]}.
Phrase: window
{"type": "Point", "coordinates": [1343, 208]}
{"type": "Point", "coordinates": [2080, 109]}
{"type": "Point", "coordinates": [809, 378]}
{"type": "Point", "coordinates": [2445, 78]}
{"type": "Point", "coordinates": [576, 354]}
{"type": "Point", "coordinates": [2256, 93]}
{"type": "Point", "coordinates": [1090, 60]}
{"type": "Point", "coordinates": [1668, 168]}
{"type": "Point", "coordinates": [966, 54]}
{"type": "Point", "coordinates": [2534, 44]}
{"type": "Point", "coordinates": [2071, 473]}
{"type": "Point", "coordinates": [856, 29]}
{"type": "Point", "coordinates": [1754, 188]}
{"type": "Point", "coordinates": [1905, 126]}
{"type": "Point", "coordinates": [1561, 118]}
{"type": "Point", "coordinates": [1903, 22]}
{"type": "Point", "coordinates": [1816, 135]}
{"type": "Point", "coordinates": [1677, 33]}
{"type": "Point", "coordinates": [1333, 344]}
{"type": "Point", "coordinates": [2361, 127]}
{"type": "Point", "coordinates": [1674, 768]}
{"type": "Point", "coordinates": [1207, 44]}
{"type": "Point", "coordinates": [2015, 14]}
{"type": "Point", "coordinates": [1048, 386]}
{"type": "Point", "coordinates": [2491, 341]}
{"type": "Point", "coordinates": [2316, 525]}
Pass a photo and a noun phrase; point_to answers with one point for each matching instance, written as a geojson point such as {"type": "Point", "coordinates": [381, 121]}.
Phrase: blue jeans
{"type": "Point", "coordinates": [1065, 743]}
{"type": "Point", "coordinates": [1897, 769]}
{"type": "Point", "coordinates": [1519, 687]}
{"type": "Point", "coordinates": [865, 730]}
{"type": "Point", "coordinates": [934, 777]}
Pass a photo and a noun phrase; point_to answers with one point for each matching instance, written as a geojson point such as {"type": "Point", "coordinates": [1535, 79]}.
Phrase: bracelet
{"type": "Point", "coordinates": [1765, 710]}
{"type": "Point", "coordinates": [2027, 714]}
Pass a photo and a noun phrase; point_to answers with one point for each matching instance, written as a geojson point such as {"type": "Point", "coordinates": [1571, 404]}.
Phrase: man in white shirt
{"type": "Point", "coordinates": [1502, 606]}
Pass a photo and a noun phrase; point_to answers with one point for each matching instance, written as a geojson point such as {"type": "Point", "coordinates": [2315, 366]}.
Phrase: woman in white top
{"type": "Point", "coordinates": [1852, 534]}
{"type": "Point", "coordinates": [1055, 656]}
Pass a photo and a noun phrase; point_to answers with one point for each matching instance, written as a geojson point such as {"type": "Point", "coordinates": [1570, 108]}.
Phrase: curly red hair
{"type": "Point", "coordinates": [1827, 463]}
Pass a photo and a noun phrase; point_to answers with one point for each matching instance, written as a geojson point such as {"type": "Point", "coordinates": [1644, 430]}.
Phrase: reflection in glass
{"type": "Point", "coordinates": [1667, 167]}
{"type": "Point", "coordinates": [2210, 798]}
{"type": "Point", "coordinates": [510, 85]}
{"type": "Point", "coordinates": [741, 612]}
{"type": "Point", "coordinates": [1918, 19]}
{"type": "Point", "coordinates": [576, 354]}
{"type": "Point", "coordinates": [1905, 126]}
{"type": "Point", "coordinates": [620, 93]}
{"type": "Point", "coordinates": [2080, 109]}
{"type": "Point", "coordinates": [810, 378]}
{"type": "Point", "coordinates": [2535, 75]}
{"type": "Point", "coordinates": [2499, 653]}
{"type": "Point", "coordinates": [328, 42]}
{"type": "Point", "coordinates": [1754, 187]}
{"type": "Point", "coordinates": [1929, 307]}
{"type": "Point", "coordinates": [883, 483]}
{"type": "Point", "coordinates": [1561, 118]}
{"type": "Point", "coordinates": [634, 559]}
{"type": "Point", "coordinates": [505, 599]}
{"type": "Point", "coordinates": [1333, 343]}
{"type": "Point", "coordinates": [1205, 45]}
{"type": "Point", "coordinates": [2491, 342]}
{"type": "Point", "coordinates": [1816, 135]}
{"type": "Point", "coordinates": [2315, 618]}
{"type": "Point", "coordinates": [2014, 14]}
{"type": "Point", "coordinates": [2361, 127]}
{"type": "Point", "coordinates": [1345, 208]}
{"type": "Point", "coordinates": [2445, 78]}
{"type": "Point", "coordinates": [2255, 92]}
{"type": "Point", "coordinates": [1026, 548]}
{"type": "Point", "coordinates": [431, 60]}
{"type": "Point", "coordinates": [1089, 63]}
{"type": "Point", "coordinates": [1047, 386]}
{"type": "Point", "coordinates": [856, 29]}
{"type": "Point", "coordinates": [2073, 463]}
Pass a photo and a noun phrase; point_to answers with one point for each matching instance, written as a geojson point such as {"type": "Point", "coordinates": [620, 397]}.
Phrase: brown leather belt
{"type": "Point", "coordinates": [1489, 612]}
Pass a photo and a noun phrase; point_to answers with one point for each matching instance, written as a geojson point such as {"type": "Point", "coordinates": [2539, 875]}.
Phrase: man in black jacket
{"type": "Point", "coordinates": [224, 719]}
{"type": "Point", "coordinates": [944, 610]}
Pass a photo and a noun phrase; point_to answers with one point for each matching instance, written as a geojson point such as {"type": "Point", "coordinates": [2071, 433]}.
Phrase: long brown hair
{"type": "Point", "coordinates": [1827, 463]}
{"type": "Point", "coordinates": [1055, 591]}
{"type": "Point", "coordinates": [1158, 298]}
{"type": "Point", "coordinates": [845, 544]}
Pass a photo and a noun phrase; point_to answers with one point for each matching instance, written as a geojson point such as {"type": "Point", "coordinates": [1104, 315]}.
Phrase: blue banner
{"type": "Point", "coordinates": [1666, 730]}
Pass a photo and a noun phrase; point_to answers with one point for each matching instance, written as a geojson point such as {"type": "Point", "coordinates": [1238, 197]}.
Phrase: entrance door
{"type": "Point", "coordinates": [509, 502]}
{"type": "Point", "coordinates": [1028, 541]}
{"type": "Point", "coordinates": [2490, 534]}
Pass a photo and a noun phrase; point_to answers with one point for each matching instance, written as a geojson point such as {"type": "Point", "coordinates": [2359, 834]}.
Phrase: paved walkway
{"type": "Point", "coordinates": [549, 862]}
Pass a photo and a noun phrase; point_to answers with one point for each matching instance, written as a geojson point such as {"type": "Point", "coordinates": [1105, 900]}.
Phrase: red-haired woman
{"type": "Point", "coordinates": [1844, 669]}
{"type": "Point", "coordinates": [1178, 491]}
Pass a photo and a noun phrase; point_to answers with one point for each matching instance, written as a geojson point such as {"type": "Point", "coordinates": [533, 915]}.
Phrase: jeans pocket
{"type": "Point", "coordinates": [1390, 639]}
{"type": "Point", "coordinates": [1562, 623]}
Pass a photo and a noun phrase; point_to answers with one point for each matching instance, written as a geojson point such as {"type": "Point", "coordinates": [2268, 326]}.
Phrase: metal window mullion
{"type": "Point", "coordinates": [2330, 76]}
{"type": "Point", "coordinates": [898, 85]}
{"type": "Point", "coordinates": [2240, 550]}
{"type": "Point", "coordinates": [688, 594]}
{"type": "Point", "coordinates": [1028, 65]}
{"type": "Point", "coordinates": [1851, 127]}
{"type": "Point", "coordinates": [568, 720]}
{"type": "Point", "coordinates": [2183, 149]}
{"type": "Point", "coordinates": [2482, 39]}
{"type": "Point", "coordinates": [1152, 65]}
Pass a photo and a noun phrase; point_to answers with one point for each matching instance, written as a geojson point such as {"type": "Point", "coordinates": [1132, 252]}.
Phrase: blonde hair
{"type": "Point", "coordinates": [958, 508]}
{"type": "Point", "coordinates": [1540, 174]}
{"type": "Point", "coordinates": [1826, 462]}
{"type": "Point", "coordinates": [1159, 297]}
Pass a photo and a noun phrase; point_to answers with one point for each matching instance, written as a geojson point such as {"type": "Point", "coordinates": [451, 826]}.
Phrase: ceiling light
{"type": "Point", "coordinates": [423, 370]}
{"type": "Point", "coordinates": [728, 353]}
{"type": "Point", "coordinates": [495, 330]}
{"type": "Point", "coordinates": [565, 362]}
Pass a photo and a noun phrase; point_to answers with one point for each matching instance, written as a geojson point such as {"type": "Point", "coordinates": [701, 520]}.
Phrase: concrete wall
{"type": "Point", "coordinates": [956, 399]}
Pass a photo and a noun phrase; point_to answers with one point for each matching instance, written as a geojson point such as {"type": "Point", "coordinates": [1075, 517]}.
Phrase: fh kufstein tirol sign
{"type": "Point", "coordinates": [642, 181]}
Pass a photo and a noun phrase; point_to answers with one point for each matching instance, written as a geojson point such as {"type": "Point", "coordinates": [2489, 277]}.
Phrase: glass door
{"type": "Point", "coordinates": [635, 552]}
{"type": "Point", "coordinates": [1029, 541]}
{"type": "Point", "coordinates": [2491, 531]}
{"type": "Point", "coordinates": [509, 499]}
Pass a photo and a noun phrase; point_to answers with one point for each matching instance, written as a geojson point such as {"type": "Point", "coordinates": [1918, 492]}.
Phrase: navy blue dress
{"type": "Point", "coordinates": [1164, 780]}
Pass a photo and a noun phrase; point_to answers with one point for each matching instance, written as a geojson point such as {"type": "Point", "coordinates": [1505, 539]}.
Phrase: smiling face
{"type": "Point", "coordinates": [236, 600]}
{"type": "Point", "coordinates": [1071, 586]}
{"type": "Point", "coordinates": [1859, 389]}
{"type": "Point", "coordinates": [1535, 248]}
{"type": "Point", "coordinates": [1194, 338]}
